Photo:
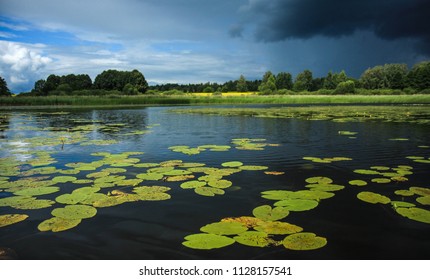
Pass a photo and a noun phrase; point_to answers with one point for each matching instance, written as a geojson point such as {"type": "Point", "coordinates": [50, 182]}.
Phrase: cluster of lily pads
{"type": "Point", "coordinates": [327, 159]}
{"type": "Point", "coordinates": [396, 176]}
{"type": "Point", "coordinates": [239, 143]}
{"type": "Point", "coordinates": [419, 159]}
{"type": "Point", "coordinates": [410, 114]}
{"type": "Point", "coordinates": [264, 228]}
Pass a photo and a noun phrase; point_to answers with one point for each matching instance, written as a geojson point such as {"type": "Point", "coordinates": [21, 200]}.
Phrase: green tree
{"type": "Point", "coordinates": [345, 87]}
{"type": "Point", "coordinates": [64, 89]}
{"type": "Point", "coordinates": [4, 90]}
{"type": "Point", "coordinates": [241, 84]}
{"type": "Point", "coordinates": [333, 79]}
{"type": "Point", "coordinates": [52, 82]}
{"type": "Point", "coordinates": [208, 89]}
{"type": "Point", "coordinates": [129, 89]}
{"type": "Point", "coordinates": [419, 76]}
{"type": "Point", "coordinates": [268, 86]}
{"type": "Point", "coordinates": [39, 86]}
{"type": "Point", "coordinates": [303, 81]}
{"type": "Point", "coordinates": [284, 80]}
{"type": "Point", "coordinates": [116, 80]}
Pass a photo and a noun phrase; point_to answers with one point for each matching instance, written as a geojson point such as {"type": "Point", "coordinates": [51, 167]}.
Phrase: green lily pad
{"type": "Point", "coordinates": [232, 164]}
{"type": "Point", "coordinates": [37, 191]}
{"type": "Point", "coordinates": [297, 204]}
{"type": "Point", "coordinates": [253, 167]}
{"type": "Point", "coordinates": [224, 228]}
{"type": "Point", "coordinates": [57, 224]}
{"type": "Point", "coordinates": [278, 228]}
{"type": "Point", "coordinates": [312, 194]}
{"type": "Point", "coordinates": [277, 194]}
{"type": "Point", "coordinates": [366, 172]}
{"type": "Point", "coordinates": [177, 172]}
{"type": "Point", "coordinates": [207, 241]}
{"type": "Point", "coordinates": [248, 222]}
{"type": "Point", "coordinates": [150, 176]}
{"type": "Point", "coordinates": [33, 204]}
{"type": "Point", "coordinates": [153, 196]}
{"type": "Point", "coordinates": [319, 180]}
{"type": "Point", "coordinates": [358, 183]}
{"type": "Point", "coordinates": [208, 178]}
{"type": "Point", "coordinates": [128, 182]}
{"type": "Point", "coordinates": [9, 219]}
{"type": "Point", "coordinates": [108, 201]}
{"type": "Point", "coordinates": [75, 212]}
{"type": "Point", "coordinates": [381, 180]}
{"type": "Point", "coordinates": [267, 213]}
{"type": "Point", "coordinates": [380, 168]}
{"type": "Point", "coordinates": [64, 179]}
{"type": "Point", "coordinates": [71, 198]}
{"type": "Point", "coordinates": [220, 184]}
{"type": "Point", "coordinates": [208, 191]}
{"type": "Point", "coordinates": [114, 170]}
{"type": "Point", "coordinates": [304, 241]}
{"type": "Point", "coordinates": [373, 198]}
{"type": "Point", "coordinates": [404, 192]}
{"type": "Point", "coordinates": [420, 191]}
{"type": "Point", "coordinates": [347, 133]}
{"type": "Point", "coordinates": [193, 184]}
{"type": "Point", "coordinates": [424, 200]}
{"type": "Point", "coordinates": [98, 174]}
{"type": "Point", "coordinates": [82, 181]}
{"type": "Point", "coordinates": [254, 239]}
{"type": "Point", "coordinates": [416, 214]}
{"type": "Point", "coordinates": [152, 189]}
{"type": "Point", "coordinates": [161, 170]}
{"type": "Point", "coordinates": [397, 204]}
{"type": "Point", "coordinates": [179, 178]}
{"type": "Point", "coordinates": [325, 187]}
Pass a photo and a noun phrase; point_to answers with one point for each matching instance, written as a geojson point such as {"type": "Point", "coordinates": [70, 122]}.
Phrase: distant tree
{"type": "Point", "coordinates": [419, 76]}
{"type": "Point", "coordinates": [345, 87]}
{"type": "Point", "coordinates": [208, 89]}
{"type": "Point", "coordinates": [64, 89]}
{"type": "Point", "coordinates": [317, 83]}
{"type": "Point", "coordinates": [129, 89]}
{"type": "Point", "coordinates": [116, 80]}
{"type": "Point", "coordinates": [333, 79]}
{"type": "Point", "coordinates": [77, 82]}
{"type": "Point", "coordinates": [284, 81]}
{"type": "Point", "coordinates": [39, 86]}
{"type": "Point", "coordinates": [392, 76]}
{"type": "Point", "coordinates": [241, 84]}
{"type": "Point", "coordinates": [303, 81]}
{"type": "Point", "coordinates": [4, 90]}
{"type": "Point", "coordinates": [268, 85]}
{"type": "Point", "coordinates": [52, 82]}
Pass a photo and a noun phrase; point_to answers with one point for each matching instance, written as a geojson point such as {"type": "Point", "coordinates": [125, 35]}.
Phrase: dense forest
{"type": "Point", "coordinates": [381, 79]}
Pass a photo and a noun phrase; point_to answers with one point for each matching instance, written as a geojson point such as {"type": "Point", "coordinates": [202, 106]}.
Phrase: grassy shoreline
{"type": "Point", "coordinates": [82, 101]}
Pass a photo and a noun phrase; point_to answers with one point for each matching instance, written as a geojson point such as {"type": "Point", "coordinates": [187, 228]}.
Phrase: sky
{"type": "Point", "coordinates": [193, 41]}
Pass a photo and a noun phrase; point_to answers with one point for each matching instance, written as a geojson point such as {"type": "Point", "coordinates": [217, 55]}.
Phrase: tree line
{"type": "Point", "coordinates": [395, 77]}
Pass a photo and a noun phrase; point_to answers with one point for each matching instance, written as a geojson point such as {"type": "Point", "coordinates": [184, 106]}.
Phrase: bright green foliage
{"type": "Point", "coordinates": [277, 228]}
{"type": "Point", "coordinates": [267, 213]}
{"type": "Point", "coordinates": [319, 180]}
{"type": "Point", "coordinates": [207, 241]}
{"type": "Point", "coordinates": [9, 219]}
{"type": "Point", "coordinates": [208, 191]}
{"type": "Point", "coordinates": [64, 179]}
{"type": "Point", "coordinates": [304, 241]}
{"type": "Point", "coordinates": [420, 191]}
{"type": "Point", "coordinates": [373, 198]}
{"type": "Point", "coordinates": [220, 184]}
{"type": "Point", "coordinates": [57, 224]}
{"type": "Point", "coordinates": [224, 228]}
{"type": "Point", "coordinates": [254, 238]}
{"type": "Point", "coordinates": [358, 183]}
{"type": "Point", "coordinates": [297, 204]}
{"type": "Point", "coordinates": [75, 212]}
{"type": "Point", "coordinates": [424, 200]}
{"type": "Point", "coordinates": [192, 184]}
{"type": "Point", "coordinates": [416, 214]}
{"type": "Point", "coordinates": [232, 164]}
{"type": "Point", "coordinates": [37, 191]}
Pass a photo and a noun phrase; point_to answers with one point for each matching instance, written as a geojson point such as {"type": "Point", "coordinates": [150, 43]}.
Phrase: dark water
{"type": "Point", "coordinates": [155, 230]}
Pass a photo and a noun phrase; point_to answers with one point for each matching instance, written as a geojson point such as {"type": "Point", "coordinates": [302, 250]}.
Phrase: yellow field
{"type": "Point", "coordinates": [225, 94]}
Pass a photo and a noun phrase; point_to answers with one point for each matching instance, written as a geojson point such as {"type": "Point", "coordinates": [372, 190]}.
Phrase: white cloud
{"type": "Point", "coordinates": [19, 63]}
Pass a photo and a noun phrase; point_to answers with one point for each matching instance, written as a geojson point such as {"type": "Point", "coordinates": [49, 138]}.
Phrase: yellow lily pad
{"type": "Point", "coordinates": [416, 214]}
{"type": "Point", "coordinates": [278, 228]}
{"type": "Point", "coordinates": [373, 198]}
{"type": "Point", "coordinates": [304, 241]}
{"type": "Point", "coordinates": [9, 219]}
{"type": "Point", "coordinates": [224, 228]}
{"type": "Point", "coordinates": [57, 224]}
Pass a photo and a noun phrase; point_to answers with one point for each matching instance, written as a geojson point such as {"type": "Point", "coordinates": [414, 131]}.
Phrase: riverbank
{"type": "Point", "coordinates": [195, 100]}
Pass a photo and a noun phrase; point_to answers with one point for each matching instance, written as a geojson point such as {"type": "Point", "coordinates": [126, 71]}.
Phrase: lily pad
{"type": "Point", "coordinates": [150, 176]}
{"type": "Point", "coordinates": [249, 222]}
{"type": "Point", "coordinates": [416, 214]}
{"type": "Point", "coordinates": [57, 224]}
{"type": "Point", "coordinates": [153, 196]}
{"type": "Point", "coordinates": [207, 241]}
{"type": "Point", "coordinates": [75, 212]}
{"type": "Point", "coordinates": [358, 183]}
{"type": "Point", "coordinates": [278, 228]}
{"type": "Point", "coordinates": [319, 180]}
{"type": "Point", "coordinates": [9, 219]}
{"type": "Point", "coordinates": [64, 179]}
{"type": "Point", "coordinates": [179, 178]}
{"type": "Point", "coordinates": [37, 191]}
{"type": "Point", "coordinates": [232, 164]}
{"type": "Point", "coordinates": [267, 213]}
{"type": "Point", "coordinates": [274, 173]}
{"type": "Point", "coordinates": [304, 241]}
{"type": "Point", "coordinates": [277, 194]}
{"type": "Point", "coordinates": [297, 204]}
{"type": "Point", "coordinates": [208, 191]}
{"type": "Point", "coordinates": [193, 184]}
{"type": "Point", "coordinates": [420, 191]}
{"type": "Point", "coordinates": [397, 204]}
{"type": "Point", "coordinates": [255, 239]}
{"type": "Point", "coordinates": [325, 187]}
{"type": "Point", "coordinates": [224, 228]}
{"type": "Point", "coordinates": [366, 172]}
{"type": "Point", "coordinates": [404, 192]}
{"type": "Point", "coordinates": [373, 198]}
{"type": "Point", "coordinates": [381, 180]}
{"type": "Point", "coordinates": [253, 167]}
{"type": "Point", "coordinates": [424, 200]}
{"type": "Point", "coordinates": [220, 184]}
{"type": "Point", "coordinates": [177, 172]}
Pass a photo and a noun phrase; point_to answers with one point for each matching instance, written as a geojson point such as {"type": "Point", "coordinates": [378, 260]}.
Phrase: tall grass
{"type": "Point", "coordinates": [116, 100]}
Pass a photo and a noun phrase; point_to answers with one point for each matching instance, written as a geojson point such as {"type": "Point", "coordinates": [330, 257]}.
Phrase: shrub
{"type": "Point", "coordinates": [345, 87]}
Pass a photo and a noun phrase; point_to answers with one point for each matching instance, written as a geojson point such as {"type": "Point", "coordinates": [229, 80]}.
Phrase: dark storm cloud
{"type": "Point", "coordinates": [278, 20]}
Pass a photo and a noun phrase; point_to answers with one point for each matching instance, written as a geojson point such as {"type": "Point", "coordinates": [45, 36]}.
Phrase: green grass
{"type": "Point", "coordinates": [184, 100]}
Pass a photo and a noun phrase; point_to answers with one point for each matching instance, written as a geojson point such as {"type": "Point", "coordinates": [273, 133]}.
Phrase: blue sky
{"type": "Point", "coordinates": [190, 41]}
